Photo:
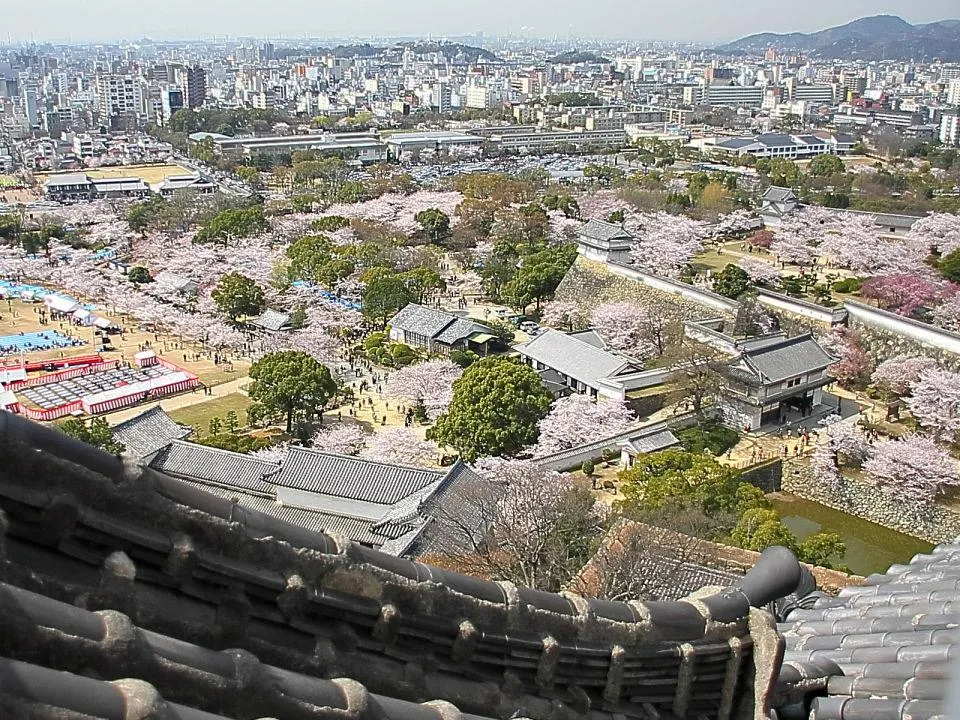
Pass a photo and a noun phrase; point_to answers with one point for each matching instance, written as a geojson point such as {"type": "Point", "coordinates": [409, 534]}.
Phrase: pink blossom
{"type": "Point", "coordinates": [940, 231]}
{"type": "Point", "coordinates": [935, 402]}
{"type": "Point", "coordinates": [665, 243]}
{"type": "Point", "coordinates": [402, 446]}
{"type": "Point", "coordinates": [624, 326]}
{"type": "Point", "coordinates": [577, 420]}
{"type": "Point", "coordinates": [913, 466]}
{"type": "Point", "coordinates": [428, 383]}
{"type": "Point", "coordinates": [901, 293]}
{"type": "Point", "coordinates": [342, 439]}
{"type": "Point", "coordinates": [947, 315]}
{"type": "Point", "coordinates": [561, 314]}
{"type": "Point", "coordinates": [760, 272]}
{"type": "Point", "coordinates": [900, 372]}
{"type": "Point", "coordinates": [839, 443]}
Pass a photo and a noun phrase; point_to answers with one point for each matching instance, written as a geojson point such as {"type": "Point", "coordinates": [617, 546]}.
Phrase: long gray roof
{"type": "Point", "coordinates": [272, 320]}
{"type": "Point", "coordinates": [351, 478]}
{"type": "Point", "coordinates": [214, 466]}
{"type": "Point", "coordinates": [572, 356]}
{"type": "Point", "coordinates": [603, 231]}
{"type": "Point", "coordinates": [789, 358]}
{"type": "Point", "coordinates": [148, 432]}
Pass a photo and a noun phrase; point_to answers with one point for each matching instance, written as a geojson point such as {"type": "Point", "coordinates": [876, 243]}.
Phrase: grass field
{"type": "Point", "coordinates": [149, 173]}
{"type": "Point", "coordinates": [199, 415]}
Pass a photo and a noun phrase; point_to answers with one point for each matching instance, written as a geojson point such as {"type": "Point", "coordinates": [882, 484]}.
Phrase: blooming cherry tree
{"type": "Point", "coordinates": [913, 466]}
{"type": "Point", "coordinates": [342, 439]}
{"type": "Point", "coordinates": [940, 231]}
{"type": "Point", "coordinates": [563, 314]}
{"type": "Point", "coordinates": [624, 326]}
{"type": "Point", "coordinates": [840, 445]}
{"type": "Point", "coordinates": [898, 373]}
{"type": "Point", "coordinates": [760, 272]}
{"type": "Point", "coordinates": [947, 314]}
{"type": "Point", "coordinates": [429, 384]}
{"type": "Point", "coordinates": [935, 402]}
{"type": "Point", "coordinates": [902, 293]}
{"type": "Point", "coordinates": [577, 420]}
{"type": "Point", "coordinates": [402, 446]}
{"type": "Point", "coordinates": [732, 223]}
{"type": "Point", "coordinates": [665, 243]}
{"type": "Point", "coordinates": [273, 454]}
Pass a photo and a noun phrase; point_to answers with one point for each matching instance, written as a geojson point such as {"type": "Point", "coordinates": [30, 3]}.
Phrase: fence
{"type": "Point", "coordinates": [63, 375]}
{"type": "Point", "coordinates": [52, 413]}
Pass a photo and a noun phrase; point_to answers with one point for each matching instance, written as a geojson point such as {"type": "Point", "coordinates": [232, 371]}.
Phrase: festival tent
{"type": "Point", "coordinates": [83, 315]}
{"type": "Point", "coordinates": [9, 375]}
{"type": "Point", "coordinates": [104, 323]}
{"type": "Point", "coordinates": [119, 397]}
{"type": "Point", "coordinates": [61, 304]}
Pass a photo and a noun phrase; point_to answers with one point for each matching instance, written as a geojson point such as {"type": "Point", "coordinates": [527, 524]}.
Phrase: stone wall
{"type": "Point", "coordinates": [589, 283]}
{"type": "Point", "coordinates": [767, 475]}
{"type": "Point", "coordinates": [885, 335]}
{"type": "Point", "coordinates": [930, 522]}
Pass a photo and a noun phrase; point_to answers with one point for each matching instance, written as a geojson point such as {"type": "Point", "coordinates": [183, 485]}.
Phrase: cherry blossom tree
{"type": "Point", "coordinates": [935, 402]}
{"type": "Point", "coordinates": [563, 314]}
{"type": "Point", "coordinates": [342, 439]}
{"type": "Point", "coordinates": [898, 373]}
{"type": "Point", "coordinates": [624, 326]}
{"type": "Point", "coordinates": [940, 231]}
{"type": "Point", "coordinates": [599, 204]}
{"type": "Point", "coordinates": [733, 223]}
{"type": "Point", "coordinates": [577, 419]}
{"type": "Point", "coordinates": [913, 466]}
{"type": "Point", "coordinates": [902, 293]}
{"type": "Point", "coordinates": [665, 243]}
{"type": "Point", "coordinates": [273, 454]}
{"type": "Point", "coordinates": [947, 314]}
{"type": "Point", "coordinates": [400, 210]}
{"type": "Point", "coordinates": [760, 272]}
{"type": "Point", "coordinates": [401, 445]}
{"type": "Point", "coordinates": [840, 445]}
{"type": "Point", "coordinates": [854, 364]}
{"type": "Point", "coordinates": [429, 384]}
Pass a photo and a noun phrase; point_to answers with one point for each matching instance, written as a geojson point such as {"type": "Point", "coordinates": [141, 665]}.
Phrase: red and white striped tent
{"type": "Point", "coordinates": [116, 398]}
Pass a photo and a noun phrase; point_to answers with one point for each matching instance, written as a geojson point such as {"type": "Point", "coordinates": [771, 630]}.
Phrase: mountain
{"type": "Point", "coordinates": [881, 37]}
{"type": "Point", "coordinates": [456, 53]}
{"type": "Point", "coordinates": [574, 57]}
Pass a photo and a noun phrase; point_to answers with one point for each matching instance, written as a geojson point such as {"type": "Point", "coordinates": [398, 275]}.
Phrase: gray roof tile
{"type": "Point", "coordinates": [604, 231]}
{"type": "Point", "coordinates": [422, 320]}
{"type": "Point", "coordinates": [794, 356]}
{"type": "Point", "coordinates": [573, 356]}
{"type": "Point", "coordinates": [147, 432]}
{"type": "Point", "coordinates": [213, 466]}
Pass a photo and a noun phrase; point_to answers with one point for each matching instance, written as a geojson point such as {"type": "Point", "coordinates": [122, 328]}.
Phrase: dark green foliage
{"type": "Point", "coordinates": [232, 224]}
{"type": "Point", "coordinates": [139, 274]}
{"type": "Point", "coordinates": [847, 285]}
{"type": "Point", "coordinates": [731, 282]}
{"type": "Point", "coordinates": [236, 443]}
{"type": "Point", "coordinates": [291, 384]}
{"type": "Point", "coordinates": [496, 406]}
{"type": "Point", "coordinates": [715, 438]}
{"type": "Point", "coordinates": [237, 295]}
{"type": "Point", "coordinates": [331, 223]}
{"type": "Point", "coordinates": [384, 297]}
{"type": "Point", "coordinates": [949, 266]}
{"type": "Point", "coordinates": [97, 433]}
{"type": "Point", "coordinates": [464, 358]}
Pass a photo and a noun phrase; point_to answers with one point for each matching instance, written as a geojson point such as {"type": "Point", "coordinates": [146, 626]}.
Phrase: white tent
{"type": "Point", "coordinates": [61, 304]}
{"type": "Point", "coordinates": [103, 323]}
{"type": "Point", "coordinates": [84, 316]}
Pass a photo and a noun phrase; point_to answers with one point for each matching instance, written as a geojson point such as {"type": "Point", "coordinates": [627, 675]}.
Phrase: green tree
{"type": "Point", "coordinates": [334, 270]}
{"type": "Point", "coordinates": [249, 175]}
{"type": "Point", "coordinates": [237, 295]}
{"type": "Point", "coordinates": [330, 223]}
{"type": "Point", "coordinates": [538, 276]}
{"type": "Point", "coordinates": [231, 421]}
{"type": "Point", "coordinates": [617, 216]}
{"type": "Point", "coordinates": [232, 224]}
{"type": "Point", "coordinates": [307, 255]}
{"type": "Point", "coordinates": [759, 528]}
{"type": "Point", "coordinates": [423, 281]}
{"type": "Point", "coordinates": [822, 549]}
{"type": "Point", "coordinates": [949, 266]}
{"type": "Point", "coordinates": [435, 223]}
{"type": "Point", "coordinates": [496, 406]}
{"type": "Point", "coordinates": [291, 384]}
{"type": "Point", "coordinates": [783, 172]}
{"type": "Point", "coordinates": [139, 274]}
{"type": "Point", "coordinates": [383, 298]}
{"type": "Point", "coordinates": [826, 165]}
{"type": "Point", "coordinates": [145, 215]}
{"type": "Point", "coordinates": [731, 282]}
{"type": "Point", "coordinates": [97, 433]}
{"type": "Point", "coordinates": [216, 425]}
{"type": "Point", "coordinates": [298, 317]}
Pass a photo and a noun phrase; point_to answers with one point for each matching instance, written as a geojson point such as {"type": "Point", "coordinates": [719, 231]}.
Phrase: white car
{"type": "Point", "coordinates": [528, 326]}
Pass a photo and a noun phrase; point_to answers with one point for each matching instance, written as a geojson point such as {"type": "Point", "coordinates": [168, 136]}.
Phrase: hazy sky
{"type": "Point", "coordinates": [693, 20]}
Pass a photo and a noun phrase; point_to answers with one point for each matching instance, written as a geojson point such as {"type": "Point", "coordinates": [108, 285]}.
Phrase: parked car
{"type": "Point", "coordinates": [528, 326]}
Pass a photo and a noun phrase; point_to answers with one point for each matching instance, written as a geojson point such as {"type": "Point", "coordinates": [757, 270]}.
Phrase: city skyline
{"type": "Point", "coordinates": [685, 21]}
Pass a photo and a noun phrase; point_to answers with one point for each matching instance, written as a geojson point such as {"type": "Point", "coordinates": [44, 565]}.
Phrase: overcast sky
{"type": "Point", "coordinates": [691, 20]}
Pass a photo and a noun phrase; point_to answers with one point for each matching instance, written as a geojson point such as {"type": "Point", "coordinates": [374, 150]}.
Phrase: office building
{"type": "Point", "coordinates": [950, 128]}
{"type": "Point", "coordinates": [196, 86]}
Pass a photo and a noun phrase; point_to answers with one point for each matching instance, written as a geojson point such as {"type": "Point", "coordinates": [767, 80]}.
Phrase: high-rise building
{"type": "Point", "coordinates": [953, 92]}
{"type": "Point", "coordinates": [119, 97]}
{"type": "Point", "coordinates": [950, 128]}
{"type": "Point", "coordinates": [171, 100]}
{"type": "Point", "coordinates": [196, 86]}
{"type": "Point", "coordinates": [29, 98]}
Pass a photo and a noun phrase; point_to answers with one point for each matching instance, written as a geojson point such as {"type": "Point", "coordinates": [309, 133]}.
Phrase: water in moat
{"type": "Point", "coordinates": [870, 547]}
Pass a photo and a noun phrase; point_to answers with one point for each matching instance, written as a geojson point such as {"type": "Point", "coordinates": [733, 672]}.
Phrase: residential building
{"type": "Point", "coordinates": [724, 95]}
{"type": "Point", "coordinates": [953, 92]}
{"type": "Point", "coordinates": [950, 128]}
{"type": "Point", "coordinates": [119, 97]}
{"type": "Point", "coordinates": [171, 100]}
{"type": "Point", "coordinates": [438, 331]}
{"type": "Point", "coordinates": [196, 86]}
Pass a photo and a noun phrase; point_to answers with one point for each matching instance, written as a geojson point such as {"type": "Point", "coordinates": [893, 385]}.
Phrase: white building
{"type": "Point", "coordinates": [950, 128]}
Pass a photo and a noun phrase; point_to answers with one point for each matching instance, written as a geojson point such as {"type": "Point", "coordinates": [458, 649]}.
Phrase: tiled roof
{"type": "Point", "coordinates": [647, 443]}
{"type": "Point", "coordinates": [180, 572]}
{"type": "Point", "coordinates": [779, 194]}
{"type": "Point", "coordinates": [603, 231]}
{"type": "Point", "coordinates": [351, 478]}
{"type": "Point", "coordinates": [214, 466]}
{"type": "Point", "coordinates": [147, 432]}
{"type": "Point", "coordinates": [272, 320]}
{"type": "Point", "coordinates": [789, 358]}
{"type": "Point", "coordinates": [884, 650]}
{"type": "Point", "coordinates": [572, 356]}
{"type": "Point", "coordinates": [460, 329]}
{"type": "Point", "coordinates": [421, 320]}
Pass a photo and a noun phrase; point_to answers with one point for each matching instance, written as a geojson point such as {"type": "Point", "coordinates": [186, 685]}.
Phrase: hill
{"type": "Point", "coordinates": [573, 57]}
{"type": "Point", "coordinates": [871, 38]}
{"type": "Point", "coordinates": [454, 52]}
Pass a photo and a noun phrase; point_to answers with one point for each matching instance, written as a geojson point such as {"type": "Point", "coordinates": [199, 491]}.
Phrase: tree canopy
{"type": "Point", "coordinates": [291, 384]}
{"type": "Point", "coordinates": [496, 406]}
{"type": "Point", "coordinates": [732, 282]}
{"type": "Point", "coordinates": [96, 433]}
{"type": "Point", "coordinates": [237, 295]}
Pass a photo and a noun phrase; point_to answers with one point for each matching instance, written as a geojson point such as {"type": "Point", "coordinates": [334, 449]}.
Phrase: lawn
{"type": "Point", "coordinates": [150, 173]}
{"type": "Point", "coordinates": [199, 415]}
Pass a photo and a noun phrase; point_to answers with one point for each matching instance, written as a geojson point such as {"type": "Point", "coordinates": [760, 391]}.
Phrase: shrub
{"type": "Point", "coordinates": [715, 438]}
{"type": "Point", "coordinates": [847, 285]}
{"type": "Point", "coordinates": [587, 467]}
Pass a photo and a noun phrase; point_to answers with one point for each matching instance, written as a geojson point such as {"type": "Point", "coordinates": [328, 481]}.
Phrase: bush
{"type": "Point", "coordinates": [464, 358]}
{"type": "Point", "coordinates": [847, 285]}
{"type": "Point", "coordinates": [331, 223]}
{"type": "Point", "coordinates": [715, 438]}
{"type": "Point", "coordinates": [236, 443]}
{"type": "Point", "coordinates": [587, 467]}
{"type": "Point", "coordinates": [139, 274]}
